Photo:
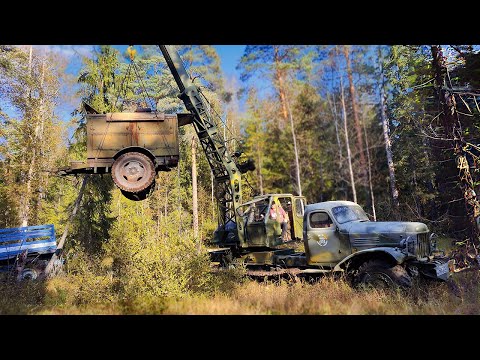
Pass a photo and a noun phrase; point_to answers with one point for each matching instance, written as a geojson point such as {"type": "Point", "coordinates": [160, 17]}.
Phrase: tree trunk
{"type": "Point", "coordinates": [213, 196]}
{"type": "Point", "coordinates": [51, 263]}
{"type": "Point", "coordinates": [333, 108]}
{"type": "Point", "coordinates": [194, 189]}
{"type": "Point", "coordinates": [453, 131]}
{"type": "Point", "coordinates": [37, 116]}
{"type": "Point", "coordinates": [28, 90]}
{"type": "Point", "coordinates": [386, 137]}
{"type": "Point", "coordinates": [43, 178]}
{"type": "Point", "coordinates": [370, 186]}
{"type": "Point", "coordinates": [337, 134]}
{"type": "Point", "coordinates": [25, 210]}
{"type": "Point", "coordinates": [24, 199]}
{"type": "Point", "coordinates": [259, 172]}
{"type": "Point", "coordinates": [295, 149]}
{"type": "Point", "coordinates": [356, 119]}
{"type": "Point", "coordinates": [281, 88]}
{"type": "Point", "coordinates": [347, 142]}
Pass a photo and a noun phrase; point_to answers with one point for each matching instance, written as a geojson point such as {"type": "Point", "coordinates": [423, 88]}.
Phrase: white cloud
{"type": "Point", "coordinates": [68, 51]}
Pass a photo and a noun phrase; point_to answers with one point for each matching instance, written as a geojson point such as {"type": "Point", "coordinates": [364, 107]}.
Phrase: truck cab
{"type": "Point", "coordinates": [338, 235]}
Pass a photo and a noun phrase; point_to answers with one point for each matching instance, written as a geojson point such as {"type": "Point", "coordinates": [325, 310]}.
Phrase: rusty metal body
{"type": "Point", "coordinates": [113, 134]}
{"type": "Point", "coordinates": [108, 134]}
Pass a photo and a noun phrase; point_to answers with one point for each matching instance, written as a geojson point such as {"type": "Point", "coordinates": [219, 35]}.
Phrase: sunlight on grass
{"type": "Point", "coordinates": [326, 296]}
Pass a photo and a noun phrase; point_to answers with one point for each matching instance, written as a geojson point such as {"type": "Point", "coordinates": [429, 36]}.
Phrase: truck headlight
{"type": "Point", "coordinates": [409, 244]}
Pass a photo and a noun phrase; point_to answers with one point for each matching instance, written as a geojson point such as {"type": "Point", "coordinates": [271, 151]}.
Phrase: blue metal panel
{"type": "Point", "coordinates": [38, 239]}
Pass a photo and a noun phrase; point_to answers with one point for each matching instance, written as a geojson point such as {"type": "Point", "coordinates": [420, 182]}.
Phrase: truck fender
{"type": "Point", "coordinates": [394, 253]}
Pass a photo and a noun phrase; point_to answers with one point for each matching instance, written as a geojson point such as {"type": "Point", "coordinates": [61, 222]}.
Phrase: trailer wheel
{"type": "Point", "coordinates": [142, 195]}
{"type": "Point", "coordinates": [381, 274]}
{"type": "Point", "coordinates": [133, 172]}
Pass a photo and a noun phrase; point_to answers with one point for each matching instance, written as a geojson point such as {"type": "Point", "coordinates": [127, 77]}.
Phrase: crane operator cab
{"type": "Point", "coordinates": [262, 222]}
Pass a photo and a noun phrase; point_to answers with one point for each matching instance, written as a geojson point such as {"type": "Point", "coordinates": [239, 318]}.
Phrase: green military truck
{"type": "Point", "coordinates": [337, 237]}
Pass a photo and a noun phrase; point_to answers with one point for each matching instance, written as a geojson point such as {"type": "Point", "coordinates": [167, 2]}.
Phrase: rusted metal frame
{"type": "Point", "coordinates": [225, 201]}
{"type": "Point", "coordinates": [216, 142]}
{"type": "Point", "coordinates": [213, 156]}
{"type": "Point", "coordinates": [225, 197]}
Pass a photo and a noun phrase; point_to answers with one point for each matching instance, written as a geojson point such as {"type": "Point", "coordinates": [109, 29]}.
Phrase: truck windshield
{"type": "Point", "coordinates": [348, 213]}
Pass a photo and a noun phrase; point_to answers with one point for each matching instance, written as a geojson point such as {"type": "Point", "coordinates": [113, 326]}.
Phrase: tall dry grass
{"type": "Point", "coordinates": [330, 296]}
{"type": "Point", "coordinates": [143, 283]}
{"type": "Point", "coordinates": [327, 296]}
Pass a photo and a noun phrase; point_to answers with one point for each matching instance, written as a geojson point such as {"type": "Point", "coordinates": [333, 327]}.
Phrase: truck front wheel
{"type": "Point", "coordinates": [380, 273]}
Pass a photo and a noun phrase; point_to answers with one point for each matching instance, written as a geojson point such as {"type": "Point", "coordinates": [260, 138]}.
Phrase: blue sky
{"type": "Point", "coordinates": [229, 57]}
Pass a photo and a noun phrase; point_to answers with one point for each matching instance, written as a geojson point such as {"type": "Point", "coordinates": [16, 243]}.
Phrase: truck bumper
{"type": "Point", "coordinates": [438, 269]}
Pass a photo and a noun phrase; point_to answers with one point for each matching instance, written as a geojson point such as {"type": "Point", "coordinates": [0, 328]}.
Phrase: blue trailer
{"type": "Point", "coordinates": [27, 249]}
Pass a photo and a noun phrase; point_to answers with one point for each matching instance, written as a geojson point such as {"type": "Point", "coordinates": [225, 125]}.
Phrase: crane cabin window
{"type": "Point", "coordinates": [255, 211]}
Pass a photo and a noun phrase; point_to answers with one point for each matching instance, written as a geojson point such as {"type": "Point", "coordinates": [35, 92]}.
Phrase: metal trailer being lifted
{"type": "Point", "coordinates": [132, 146]}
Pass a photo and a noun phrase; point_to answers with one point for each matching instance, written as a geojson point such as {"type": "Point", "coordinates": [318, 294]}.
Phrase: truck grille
{"type": "Point", "coordinates": [423, 245]}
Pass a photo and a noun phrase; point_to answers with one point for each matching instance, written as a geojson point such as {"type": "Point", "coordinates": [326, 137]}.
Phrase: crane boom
{"type": "Point", "coordinates": [226, 172]}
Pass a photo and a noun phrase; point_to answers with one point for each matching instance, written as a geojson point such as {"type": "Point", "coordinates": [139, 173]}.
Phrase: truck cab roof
{"type": "Point", "coordinates": [277, 195]}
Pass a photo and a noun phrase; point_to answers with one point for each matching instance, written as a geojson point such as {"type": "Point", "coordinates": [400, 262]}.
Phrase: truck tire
{"type": "Point", "coordinates": [379, 273]}
{"type": "Point", "coordinates": [133, 172]}
{"type": "Point", "coordinates": [29, 274]}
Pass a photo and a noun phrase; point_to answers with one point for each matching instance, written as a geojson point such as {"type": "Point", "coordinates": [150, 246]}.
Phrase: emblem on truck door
{"type": "Point", "coordinates": [322, 240]}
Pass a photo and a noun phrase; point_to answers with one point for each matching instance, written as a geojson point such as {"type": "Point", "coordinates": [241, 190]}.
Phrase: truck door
{"type": "Point", "coordinates": [298, 211]}
{"type": "Point", "coordinates": [255, 227]}
{"type": "Point", "coordinates": [324, 245]}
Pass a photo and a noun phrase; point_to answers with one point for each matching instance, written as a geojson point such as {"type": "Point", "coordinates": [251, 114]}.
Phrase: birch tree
{"type": "Point", "coordinates": [386, 131]}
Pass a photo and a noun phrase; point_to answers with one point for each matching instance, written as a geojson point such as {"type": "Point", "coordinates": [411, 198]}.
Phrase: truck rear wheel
{"type": "Point", "coordinates": [379, 273]}
{"type": "Point", "coordinates": [133, 172]}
